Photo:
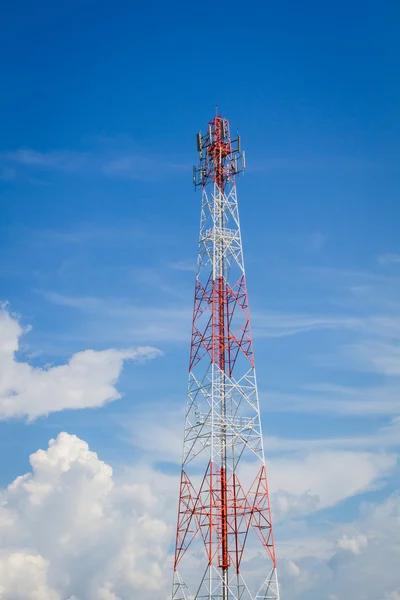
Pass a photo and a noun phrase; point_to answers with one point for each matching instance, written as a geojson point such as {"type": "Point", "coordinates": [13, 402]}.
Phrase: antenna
{"type": "Point", "coordinates": [222, 128]}
{"type": "Point", "coordinates": [221, 158]}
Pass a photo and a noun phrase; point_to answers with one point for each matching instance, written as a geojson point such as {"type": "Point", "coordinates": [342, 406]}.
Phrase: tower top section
{"type": "Point", "coordinates": [221, 157]}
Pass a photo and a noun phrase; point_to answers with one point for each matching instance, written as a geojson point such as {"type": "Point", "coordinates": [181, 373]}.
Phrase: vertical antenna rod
{"type": "Point", "coordinates": [217, 519]}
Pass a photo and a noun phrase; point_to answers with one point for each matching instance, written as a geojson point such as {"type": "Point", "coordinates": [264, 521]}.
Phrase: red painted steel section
{"type": "Point", "coordinates": [204, 339]}
{"type": "Point", "coordinates": [202, 511]}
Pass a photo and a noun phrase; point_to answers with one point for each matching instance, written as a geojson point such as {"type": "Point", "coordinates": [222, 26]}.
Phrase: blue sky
{"type": "Point", "coordinates": [99, 223]}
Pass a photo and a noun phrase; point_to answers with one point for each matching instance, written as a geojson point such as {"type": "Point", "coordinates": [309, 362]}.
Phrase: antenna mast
{"type": "Point", "coordinates": [217, 519]}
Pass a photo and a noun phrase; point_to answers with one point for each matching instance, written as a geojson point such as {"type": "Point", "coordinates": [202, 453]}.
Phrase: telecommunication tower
{"type": "Point", "coordinates": [224, 541]}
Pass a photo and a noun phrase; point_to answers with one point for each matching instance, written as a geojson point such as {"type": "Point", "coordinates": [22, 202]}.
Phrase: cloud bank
{"type": "Point", "coordinates": [70, 530]}
{"type": "Point", "coordinates": [73, 530]}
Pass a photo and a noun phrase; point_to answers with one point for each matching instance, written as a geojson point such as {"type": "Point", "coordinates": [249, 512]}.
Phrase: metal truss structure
{"type": "Point", "coordinates": [224, 542]}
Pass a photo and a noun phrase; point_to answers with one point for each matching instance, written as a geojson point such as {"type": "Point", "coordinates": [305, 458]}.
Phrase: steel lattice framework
{"type": "Point", "coordinates": [224, 542]}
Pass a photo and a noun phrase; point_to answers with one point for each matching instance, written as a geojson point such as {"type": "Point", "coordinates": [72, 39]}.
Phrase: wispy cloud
{"type": "Point", "coordinates": [140, 166]}
{"type": "Point", "coordinates": [124, 321]}
{"type": "Point", "coordinates": [389, 259]}
{"type": "Point", "coordinates": [89, 235]}
{"type": "Point", "coordinates": [367, 328]}
{"type": "Point", "coordinates": [384, 438]}
{"type": "Point", "coordinates": [106, 159]}
{"type": "Point", "coordinates": [298, 163]}
{"type": "Point", "coordinates": [183, 265]}
{"type": "Point", "coordinates": [359, 401]}
{"type": "Point", "coordinates": [317, 241]}
{"type": "Point", "coordinates": [365, 340]}
{"type": "Point", "coordinates": [311, 243]}
{"type": "Point", "coordinates": [264, 325]}
{"type": "Point", "coordinates": [376, 356]}
{"type": "Point", "coordinates": [46, 161]}
{"type": "Point", "coordinates": [283, 325]}
{"type": "Point", "coordinates": [7, 173]}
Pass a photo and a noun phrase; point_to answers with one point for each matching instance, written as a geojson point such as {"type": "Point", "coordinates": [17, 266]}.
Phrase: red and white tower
{"type": "Point", "coordinates": [224, 542]}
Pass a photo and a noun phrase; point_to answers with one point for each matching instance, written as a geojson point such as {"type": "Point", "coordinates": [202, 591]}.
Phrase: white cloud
{"type": "Point", "coordinates": [354, 544]}
{"type": "Point", "coordinates": [23, 576]}
{"type": "Point", "coordinates": [311, 242]}
{"type": "Point", "coordinates": [314, 476]}
{"type": "Point", "coordinates": [160, 438]}
{"type": "Point", "coordinates": [71, 528]}
{"type": "Point", "coordinates": [369, 327]}
{"type": "Point", "coordinates": [104, 159]}
{"type": "Point", "coordinates": [172, 323]}
{"type": "Point", "coordinates": [328, 399]}
{"type": "Point", "coordinates": [7, 173]}
{"type": "Point", "coordinates": [54, 160]}
{"type": "Point", "coordinates": [293, 569]}
{"type": "Point", "coordinates": [317, 241]}
{"type": "Point", "coordinates": [116, 319]}
{"type": "Point", "coordinates": [183, 265]}
{"type": "Point", "coordinates": [379, 357]}
{"type": "Point", "coordinates": [384, 437]}
{"type": "Point", "coordinates": [388, 259]}
{"type": "Point", "coordinates": [283, 325]}
{"type": "Point", "coordinates": [304, 484]}
{"type": "Point", "coordinates": [86, 381]}
{"type": "Point", "coordinates": [361, 563]}
{"type": "Point", "coordinates": [364, 307]}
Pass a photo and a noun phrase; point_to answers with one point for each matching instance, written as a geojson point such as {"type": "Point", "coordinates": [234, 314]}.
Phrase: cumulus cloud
{"type": "Point", "coordinates": [70, 529]}
{"type": "Point", "coordinates": [317, 480]}
{"type": "Point", "coordinates": [87, 380]}
{"type": "Point", "coordinates": [354, 544]}
{"type": "Point", "coordinates": [357, 560]}
{"type": "Point", "coordinates": [23, 576]}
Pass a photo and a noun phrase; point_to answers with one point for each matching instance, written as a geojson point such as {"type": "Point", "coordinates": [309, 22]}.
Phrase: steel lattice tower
{"type": "Point", "coordinates": [224, 542]}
